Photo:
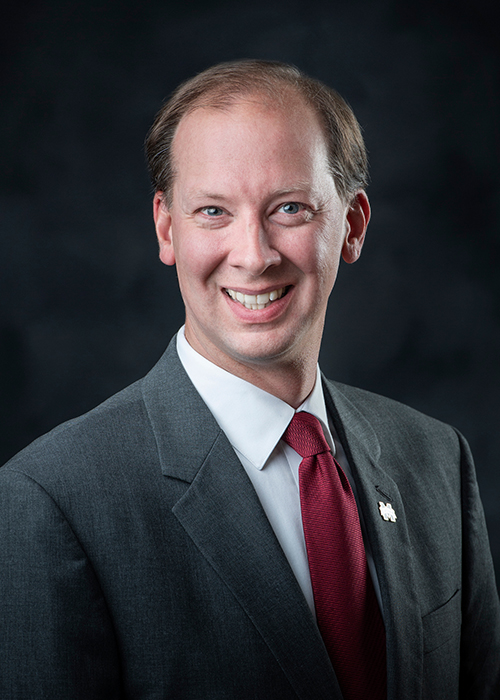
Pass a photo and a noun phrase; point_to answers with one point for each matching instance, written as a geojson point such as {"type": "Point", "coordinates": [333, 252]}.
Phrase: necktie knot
{"type": "Point", "coordinates": [305, 435]}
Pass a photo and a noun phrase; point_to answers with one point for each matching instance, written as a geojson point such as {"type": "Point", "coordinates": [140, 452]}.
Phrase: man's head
{"type": "Point", "coordinates": [221, 85]}
{"type": "Point", "coordinates": [255, 224]}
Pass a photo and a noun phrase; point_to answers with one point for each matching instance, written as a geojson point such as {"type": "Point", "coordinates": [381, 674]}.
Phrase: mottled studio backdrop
{"type": "Point", "coordinates": [86, 307]}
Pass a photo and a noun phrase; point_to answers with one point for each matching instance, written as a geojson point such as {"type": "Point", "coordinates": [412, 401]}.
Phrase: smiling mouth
{"type": "Point", "coordinates": [255, 302]}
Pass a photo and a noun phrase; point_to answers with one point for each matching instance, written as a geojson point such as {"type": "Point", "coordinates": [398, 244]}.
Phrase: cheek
{"type": "Point", "coordinates": [197, 256]}
{"type": "Point", "coordinates": [320, 254]}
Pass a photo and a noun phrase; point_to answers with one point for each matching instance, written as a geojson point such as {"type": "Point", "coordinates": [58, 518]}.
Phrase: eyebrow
{"type": "Point", "coordinates": [209, 195]}
{"type": "Point", "coordinates": [296, 187]}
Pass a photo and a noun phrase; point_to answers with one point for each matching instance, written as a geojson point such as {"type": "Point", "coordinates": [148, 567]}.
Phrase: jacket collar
{"type": "Point", "coordinates": [184, 428]}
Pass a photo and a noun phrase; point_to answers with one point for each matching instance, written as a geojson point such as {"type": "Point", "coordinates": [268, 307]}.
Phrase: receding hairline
{"type": "Point", "coordinates": [225, 103]}
{"type": "Point", "coordinates": [226, 83]}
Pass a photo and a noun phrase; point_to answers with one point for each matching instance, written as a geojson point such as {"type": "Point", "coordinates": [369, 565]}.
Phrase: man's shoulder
{"type": "Point", "coordinates": [111, 432]}
{"type": "Point", "coordinates": [84, 439]}
{"type": "Point", "coordinates": [388, 416]}
{"type": "Point", "coordinates": [398, 434]}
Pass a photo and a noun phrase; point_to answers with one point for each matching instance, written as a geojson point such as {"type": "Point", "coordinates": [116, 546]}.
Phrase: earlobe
{"type": "Point", "coordinates": [163, 224]}
{"type": "Point", "coordinates": [357, 220]}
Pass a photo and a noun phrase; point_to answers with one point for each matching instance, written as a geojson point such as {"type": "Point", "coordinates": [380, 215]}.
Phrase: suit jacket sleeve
{"type": "Point", "coordinates": [480, 640]}
{"type": "Point", "coordinates": [56, 636]}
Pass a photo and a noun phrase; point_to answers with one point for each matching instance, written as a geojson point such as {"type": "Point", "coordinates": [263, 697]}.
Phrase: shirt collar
{"type": "Point", "coordinates": [252, 419]}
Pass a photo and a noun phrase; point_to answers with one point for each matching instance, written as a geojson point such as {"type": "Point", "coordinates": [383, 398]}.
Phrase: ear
{"type": "Point", "coordinates": [357, 219]}
{"type": "Point", "coordinates": [163, 224]}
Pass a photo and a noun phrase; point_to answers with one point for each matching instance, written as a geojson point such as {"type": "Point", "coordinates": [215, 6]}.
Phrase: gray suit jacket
{"type": "Point", "coordinates": [136, 561]}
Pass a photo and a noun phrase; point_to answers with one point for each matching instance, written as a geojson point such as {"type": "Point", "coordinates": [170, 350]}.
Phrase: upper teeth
{"type": "Point", "coordinates": [256, 301]}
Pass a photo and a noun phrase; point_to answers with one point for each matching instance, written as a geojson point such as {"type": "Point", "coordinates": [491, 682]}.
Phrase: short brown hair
{"type": "Point", "coordinates": [219, 86]}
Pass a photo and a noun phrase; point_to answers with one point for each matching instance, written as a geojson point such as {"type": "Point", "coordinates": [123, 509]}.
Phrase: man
{"type": "Point", "coordinates": [233, 525]}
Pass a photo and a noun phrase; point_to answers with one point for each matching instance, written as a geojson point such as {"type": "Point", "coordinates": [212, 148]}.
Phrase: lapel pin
{"type": "Point", "coordinates": [387, 512]}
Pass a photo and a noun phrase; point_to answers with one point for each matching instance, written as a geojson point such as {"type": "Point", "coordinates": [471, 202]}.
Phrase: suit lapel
{"type": "Point", "coordinates": [221, 513]}
{"type": "Point", "coordinates": [389, 542]}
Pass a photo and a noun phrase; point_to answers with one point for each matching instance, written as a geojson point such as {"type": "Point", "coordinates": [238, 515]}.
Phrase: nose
{"type": "Point", "coordinates": [252, 248]}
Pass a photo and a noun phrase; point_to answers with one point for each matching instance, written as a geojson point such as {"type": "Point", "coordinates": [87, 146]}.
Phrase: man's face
{"type": "Point", "coordinates": [256, 230]}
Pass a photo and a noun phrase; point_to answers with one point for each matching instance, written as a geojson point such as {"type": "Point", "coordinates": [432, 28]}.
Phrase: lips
{"type": "Point", "coordinates": [255, 302]}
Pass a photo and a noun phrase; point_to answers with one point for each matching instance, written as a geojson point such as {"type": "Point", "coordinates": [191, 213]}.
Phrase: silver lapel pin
{"type": "Point", "coordinates": [387, 512]}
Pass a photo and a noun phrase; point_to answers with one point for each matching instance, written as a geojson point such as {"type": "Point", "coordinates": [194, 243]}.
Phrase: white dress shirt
{"type": "Point", "coordinates": [254, 421]}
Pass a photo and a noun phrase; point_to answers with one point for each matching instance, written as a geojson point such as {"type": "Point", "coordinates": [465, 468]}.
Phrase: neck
{"type": "Point", "coordinates": [291, 383]}
{"type": "Point", "coordinates": [290, 380]}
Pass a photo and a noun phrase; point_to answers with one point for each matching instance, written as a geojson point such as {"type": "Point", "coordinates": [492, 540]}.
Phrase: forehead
{"type": "Point", "coordinates": [250, 131]}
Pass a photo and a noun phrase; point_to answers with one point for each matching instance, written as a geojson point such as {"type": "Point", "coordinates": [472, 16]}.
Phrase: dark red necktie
{"type": "Point", "coordinates": [347, 610]}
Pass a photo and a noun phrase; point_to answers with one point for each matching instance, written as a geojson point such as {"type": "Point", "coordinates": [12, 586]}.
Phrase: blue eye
{"type": "Point", "coordinates": [212, 211]}
{"type": "Point", "coordinates": [290, 208]}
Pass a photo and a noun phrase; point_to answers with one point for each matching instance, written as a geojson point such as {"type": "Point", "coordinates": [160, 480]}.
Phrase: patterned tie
{"type": "Point", "coordinates": [346, 606]}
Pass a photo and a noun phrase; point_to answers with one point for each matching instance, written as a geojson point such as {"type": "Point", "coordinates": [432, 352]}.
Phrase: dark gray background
{"type": "Point", "coordinates": [86, 307]}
